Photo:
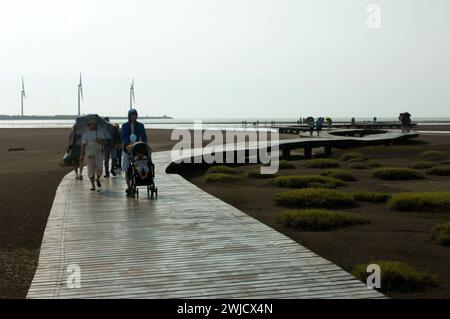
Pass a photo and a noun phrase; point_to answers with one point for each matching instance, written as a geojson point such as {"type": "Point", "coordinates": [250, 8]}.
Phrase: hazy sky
{"type": "Point", "coordinates": [229, 58]}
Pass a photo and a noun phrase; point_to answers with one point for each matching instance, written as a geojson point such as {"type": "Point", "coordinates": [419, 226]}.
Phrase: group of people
{"type": "Point", "coordinates": [96, 149]}
{"type": "Point", "coordinates": [317, 124]}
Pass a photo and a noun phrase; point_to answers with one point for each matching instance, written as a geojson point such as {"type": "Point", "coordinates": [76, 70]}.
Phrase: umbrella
{"type": "Point", "coordinates": [82, 125]}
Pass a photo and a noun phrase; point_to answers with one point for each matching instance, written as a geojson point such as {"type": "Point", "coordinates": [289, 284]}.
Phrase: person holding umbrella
{"type": "Point", "coordinates": [132, 132]}
{"type": "Point", "coordinates": [92, 150]}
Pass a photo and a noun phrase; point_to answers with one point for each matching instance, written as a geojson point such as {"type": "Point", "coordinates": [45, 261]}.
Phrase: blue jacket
{"type": "Point", "coordinates": [139, 131]}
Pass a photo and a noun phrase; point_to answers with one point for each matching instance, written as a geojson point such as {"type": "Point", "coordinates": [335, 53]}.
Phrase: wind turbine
{"type": "Point", "coordinates": [132, 98]}
{"type": "Point", "coordinates": [80, 95]}
{"type": "Point", "coordinates": [22, 96]}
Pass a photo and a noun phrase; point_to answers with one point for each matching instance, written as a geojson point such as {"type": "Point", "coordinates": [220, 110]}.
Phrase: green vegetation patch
{"type": "Point", "coordinates": [397, 173]}
{"type": "Point", "coordinates": [441, 234]}
{"type": "Point", "coordinates": [439, 171]}
{"type": "Point", "coordinates": [354, 156]}
{"type": "Point", "coordinates": [322, 163]}
{"type": "Point", "coordinates": [315, 198]}
{"type": "Point", "coordinates": [371, 197]}
{"type": "Point", "coordinates": [426, 202]}
{"type": "Point", "coordinates": [341, 174]}
{"type": "Point", "coordinates": [222, 169]}
{"type": "Point", "coordinates": [222, 178]}
{"type": "Point", "coordinates": [432, 155]}
{"type": "Point", "coordinates": [286, 165]}
{"type": "Point", "coordinates": [256, 173]}
{"type": "Point", "coordinates": [397, 276]}
{"type": "Point", "coordinates": [319, 219]}
{"type": "Point", "coordinates": [423, 165]}
{"type": "Point", "coordinates": [307, 181]}
{"type": "Point", "coordinates": [373, 164]}
{"type": "Point", "coordinates": [357, 166]}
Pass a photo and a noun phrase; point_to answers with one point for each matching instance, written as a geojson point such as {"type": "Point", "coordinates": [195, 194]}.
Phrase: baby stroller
{"type": "Point", "coordinates": [136, 163]}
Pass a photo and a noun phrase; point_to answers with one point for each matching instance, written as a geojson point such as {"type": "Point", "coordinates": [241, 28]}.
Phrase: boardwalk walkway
{"type": "Point", "coordinates": [186, 244]}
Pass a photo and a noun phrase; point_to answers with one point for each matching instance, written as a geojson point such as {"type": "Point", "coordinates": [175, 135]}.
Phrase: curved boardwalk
{"type": "Point", "coordinates": [186, 244]}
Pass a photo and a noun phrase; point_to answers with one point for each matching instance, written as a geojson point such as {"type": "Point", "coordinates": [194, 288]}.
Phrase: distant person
{"type": "Point", "coordinates": [91, 150]}
{"type": "Point", "coordinates": [74, 151]}
{"type": "Point", "coordinates": [405, 119]}
{"type": "Point", "coordinates": [329, 123]}
{"type": "Point", "coordinates": [353, 121]}
{"type": "Point", "coordinates": [132, 127]}
{"type": "Point", "coordinates": [116, 153]}
{"type": "Point", "coordinates": [107, 150]}
{"type": "Point", "coordinates": [319, 125]}
{"type": "Point", "coordinates": [310, 122]}
{"type": "Point", "coordinates": [375, 119]}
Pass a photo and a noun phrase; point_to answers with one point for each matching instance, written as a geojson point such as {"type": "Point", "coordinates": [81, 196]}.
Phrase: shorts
{"type": "Point", "coordinates": [95, 165]}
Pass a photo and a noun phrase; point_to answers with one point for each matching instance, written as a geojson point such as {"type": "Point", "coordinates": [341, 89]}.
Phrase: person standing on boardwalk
{"type": "Point", "coordinates": [92, 150]}
{"type": "Point", "coordinates": [319, 125]}
{"type": "Point", "coordinates": [107, 151]}
{"type": "Point", "coordinates": [129, 129]}
{"type": "Point", "coordinates": [310, 122]}
{"type": "Point", "coordinates": [329, 122]}
{"type": "Point", "coordinates": [110, 150]}
{"type": "Point", "coordinates": [74, 149]}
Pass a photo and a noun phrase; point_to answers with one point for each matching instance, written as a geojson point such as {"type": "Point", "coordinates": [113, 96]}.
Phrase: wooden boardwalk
{"type": "Point", "coordinates": [185, 244]}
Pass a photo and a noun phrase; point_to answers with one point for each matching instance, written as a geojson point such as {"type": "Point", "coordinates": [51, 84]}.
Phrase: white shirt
{"type": "Point", "coordinates": [92, 136]}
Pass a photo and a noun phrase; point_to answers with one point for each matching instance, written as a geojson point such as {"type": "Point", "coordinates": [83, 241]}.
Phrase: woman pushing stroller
{"type": "Point", "coordinates": [132, 132]}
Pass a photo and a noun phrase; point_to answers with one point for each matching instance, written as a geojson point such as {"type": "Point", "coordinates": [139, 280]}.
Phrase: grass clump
{"type": "Point", "coordinates": [440, 171]}
{"type": "Point", "coordinates": [432, 155]}
{"type": "Point", "coordinates": [373, 164]}
{"type": "Point", "coordinates": [422, 165]}
{"type": "Point", "coordinates": [397, 173]}
{"type": "Point", "coordinates": [371, 197]}
{"type": "Point", "coordinates": [286, 165]}
{"type": "Point", "coordinates": [441, 234]}
{"type": "Point", "coordinates": [427, 202]}
{"type": "Point", "coordinates": [256, 173]}
{"type": "Point", "coordinates": [322, 163]}
{"type": "Point", "coordinates": [222, 178]}
{"type": "Point", "coordinates": [308, 181]}
{"type": "Point", "coordinates": [319, 219]}
{"type": "Point", "coordinates": [357, 166]}
{"type": "Point", "coordinates": [397, 276]}
{"type": "Point", "coordinates": [315, 198]}
{"type": "Point", "coordinates": [341, 174]}
{"type": "Point", "coordinates": [222, 169]}
{"type": "Point", "coordinates": [354, 156]}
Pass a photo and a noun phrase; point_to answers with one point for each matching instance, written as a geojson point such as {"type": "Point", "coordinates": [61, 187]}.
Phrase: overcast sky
{"type": "Point", "coordinates": [226, 58]}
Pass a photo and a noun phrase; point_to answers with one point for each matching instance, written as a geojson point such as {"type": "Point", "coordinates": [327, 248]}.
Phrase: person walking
{"type": "Point", "coordinates": [319, 125]}
{"type": "Point", "coordinates": [74, 150]}
{"type": "Point", "coordinates": [116, 146]}
{"type": "Point", "coordinates": [91, 150]}
{"type": "Point", "coordinates": [107, 151]}
{"type": "Point", "coordinates": [131, 128]}
{"type": "Point", "coordinates": [310, 122]}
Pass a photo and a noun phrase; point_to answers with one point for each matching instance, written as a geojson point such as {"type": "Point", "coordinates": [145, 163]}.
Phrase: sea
{"type": "Point", "coordinates": [207, 123]}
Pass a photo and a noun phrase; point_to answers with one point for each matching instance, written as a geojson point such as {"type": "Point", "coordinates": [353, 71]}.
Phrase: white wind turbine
{"type": "Point", "coordinates": [22, 97]}
{"type": "Point", "coordinates": [132, 98]}
{"type": "Point", "coordinates": [80, 95]}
